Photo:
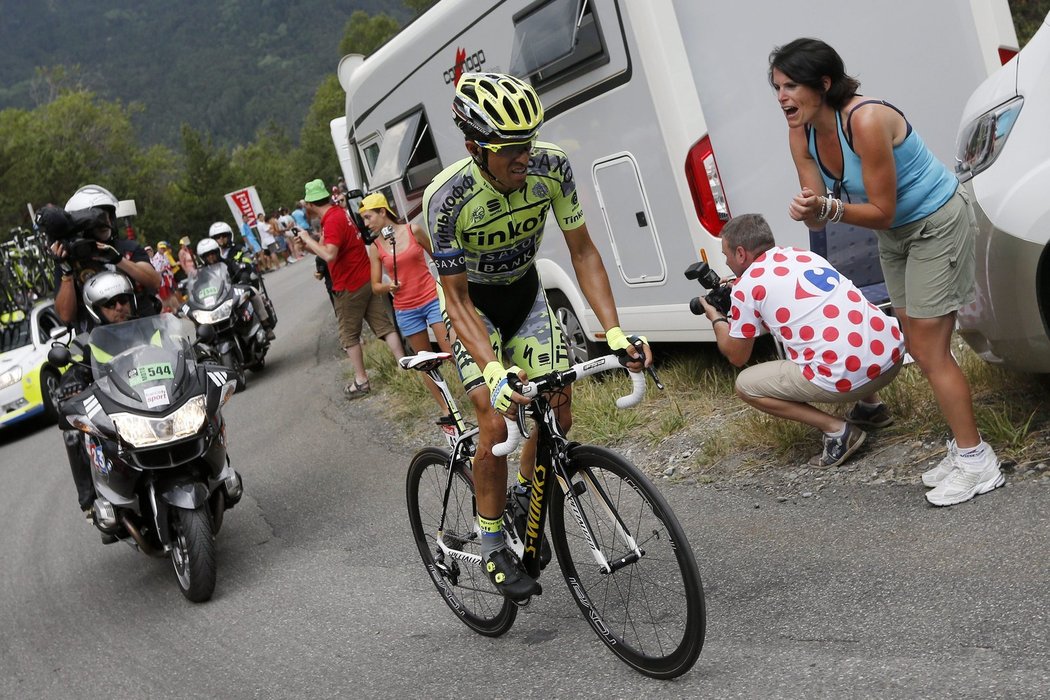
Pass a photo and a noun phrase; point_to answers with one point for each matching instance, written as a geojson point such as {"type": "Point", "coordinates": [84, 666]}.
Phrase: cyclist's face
{"type": "Point", "coordinates": [509, 165]}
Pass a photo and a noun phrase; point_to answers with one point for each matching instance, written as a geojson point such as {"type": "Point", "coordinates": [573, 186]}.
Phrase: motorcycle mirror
{"type": "Point", "coordinates": [58, 356]}
{"type": "Point", "coordinates": [205, 333]}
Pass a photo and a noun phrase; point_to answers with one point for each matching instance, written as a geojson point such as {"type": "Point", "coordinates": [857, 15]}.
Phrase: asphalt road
{"type": "Point", "coordinates": [858, 592]}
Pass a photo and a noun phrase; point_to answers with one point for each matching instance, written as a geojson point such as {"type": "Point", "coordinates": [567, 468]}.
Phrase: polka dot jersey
{"type": "Point", "coordinates": [827, 327]}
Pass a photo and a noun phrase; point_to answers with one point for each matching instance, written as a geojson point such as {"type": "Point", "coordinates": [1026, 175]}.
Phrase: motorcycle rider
{"type": "Point", "coordinates": [109, 297]}
{"type": "Point", "coordinates": [114, 253]}
{"type": "Point", "coordinates": [240, 265]}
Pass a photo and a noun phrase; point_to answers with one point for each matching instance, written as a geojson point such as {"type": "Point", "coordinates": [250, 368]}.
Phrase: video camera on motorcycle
{"type": "Point", "coordinates": [73, 229]}
{"type": "Point", "coordinates": [718, 297]}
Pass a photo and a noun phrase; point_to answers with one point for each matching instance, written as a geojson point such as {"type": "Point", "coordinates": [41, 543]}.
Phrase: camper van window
{"type": "Point", "coordinates": [395, 151]}
{"type": "Point", "coordinates": [371, 154]}
{"type": "Point", "coordinates": [556, 39]}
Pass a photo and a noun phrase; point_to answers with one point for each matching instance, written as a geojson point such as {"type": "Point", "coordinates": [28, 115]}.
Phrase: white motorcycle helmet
{"type": "Point", "coordinates": [220, 228]}
{"type": "Point", "coordinates": [101, 288]}
{"type": "Point", "coordinates": [92, 196]}
{"type": "Point", "coordinates": [206, 246]}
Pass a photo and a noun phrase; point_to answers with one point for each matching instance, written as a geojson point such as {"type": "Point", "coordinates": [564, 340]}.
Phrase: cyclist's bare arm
{"type": "Point", "coordinates": [594, 281]}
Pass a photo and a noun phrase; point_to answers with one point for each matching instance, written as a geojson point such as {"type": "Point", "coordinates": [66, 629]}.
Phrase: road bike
{"type": "Point", "coordinates": [621, 550]}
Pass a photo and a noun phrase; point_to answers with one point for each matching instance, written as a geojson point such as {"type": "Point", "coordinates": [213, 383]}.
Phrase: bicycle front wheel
{"type": "Point", "coordinates": [645, 601]}
{"type": "Point", "coordinates": [463, 585]}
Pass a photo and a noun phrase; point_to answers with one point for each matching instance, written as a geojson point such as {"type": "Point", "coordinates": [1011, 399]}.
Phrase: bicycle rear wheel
{"type": "Point", "coordinates": [463, 586]}
{"type": "Point", "coordinates": [650, 612]}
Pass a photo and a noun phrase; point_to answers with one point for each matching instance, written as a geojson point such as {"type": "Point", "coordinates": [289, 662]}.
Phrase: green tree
{"type": "Point", "coordinates": [206, 176]}
{"type": "Point", "coordinates": [1028, 17]}
{"type": "Point", "coordinates": [268, 164]}
{"type": "Point", "coordinates": [365, 33]}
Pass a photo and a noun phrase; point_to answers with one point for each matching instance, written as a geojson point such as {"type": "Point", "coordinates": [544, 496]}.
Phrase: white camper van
{"type": "Point", "coordinates": [665, 111]}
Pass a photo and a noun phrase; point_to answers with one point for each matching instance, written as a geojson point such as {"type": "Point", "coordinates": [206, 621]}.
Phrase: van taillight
{"type": "Point", "coordinates": [1006, 53]}
{"type": "Point", "coordinates": [701, 172]}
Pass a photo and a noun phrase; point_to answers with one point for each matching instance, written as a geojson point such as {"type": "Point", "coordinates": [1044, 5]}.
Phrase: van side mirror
{"type": "Point", "coordinates": [58, 356]}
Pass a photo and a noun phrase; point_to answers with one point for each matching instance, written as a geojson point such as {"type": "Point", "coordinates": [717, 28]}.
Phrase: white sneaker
{"type": "Point", "coordinates": [933, 477]}
{"type": "Point", "coordinates": [963, 484]}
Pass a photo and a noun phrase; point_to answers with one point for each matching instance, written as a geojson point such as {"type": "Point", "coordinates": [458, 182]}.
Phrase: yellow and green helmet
{"type": "Point", "coordinates": [495, 105]}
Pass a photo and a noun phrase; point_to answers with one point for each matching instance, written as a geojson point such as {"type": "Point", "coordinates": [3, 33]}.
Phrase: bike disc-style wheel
{"type": "Point", "coordinates": [650, 612]}
{"type": "Point", "coordinates": [463, 586]}
{"type": "Point", "coordinates": [193, 552]}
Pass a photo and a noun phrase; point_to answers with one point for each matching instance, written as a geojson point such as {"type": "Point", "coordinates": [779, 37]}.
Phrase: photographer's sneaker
{"type": "Point", "coordinates": [933, 477]}
{"type": "Point", "coordinates": [965, 482]}
{"type": "Point", "coordinates": [870, 417]}
{"type": "Point", "coordinates": [838, 450]}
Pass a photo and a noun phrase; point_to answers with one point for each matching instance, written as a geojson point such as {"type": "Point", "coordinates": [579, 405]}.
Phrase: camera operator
{"type": "Point", "coordinates": [90, 216]}
{"type": "Point", "coordinates": [840, 348]}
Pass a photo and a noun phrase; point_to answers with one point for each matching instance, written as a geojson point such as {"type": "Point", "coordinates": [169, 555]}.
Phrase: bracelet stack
{"type": "Point", "coordinates": [831, 210]}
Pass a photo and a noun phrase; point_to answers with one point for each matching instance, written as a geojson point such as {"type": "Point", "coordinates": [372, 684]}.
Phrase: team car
{"type": "Point", "coordinates": [27, 382]}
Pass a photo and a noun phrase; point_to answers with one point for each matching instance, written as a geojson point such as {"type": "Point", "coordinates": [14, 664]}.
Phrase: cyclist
{"type": "Point", "coordinates": [486, 215]}
{"type": "Point", "coordinates": [242, 270]}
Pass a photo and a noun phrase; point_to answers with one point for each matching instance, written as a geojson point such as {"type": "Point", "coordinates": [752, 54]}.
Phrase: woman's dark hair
{"type": "Point", "coordinates": [807, 61]}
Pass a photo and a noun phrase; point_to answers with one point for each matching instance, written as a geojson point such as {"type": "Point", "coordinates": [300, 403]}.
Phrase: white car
{"type": "Point", "coordinates": [27, 382]}
{"type": "Point", "coordinates": [1004, 161]}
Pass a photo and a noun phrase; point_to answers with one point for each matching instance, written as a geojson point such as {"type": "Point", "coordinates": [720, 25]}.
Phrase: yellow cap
{"type": "Point", "coordinates": [376, 200]}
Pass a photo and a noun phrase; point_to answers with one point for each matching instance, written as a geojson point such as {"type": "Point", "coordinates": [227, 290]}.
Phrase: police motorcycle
{"type": "Point", "coordinates": [151, 426]}
{"type": "Point", "coordinates": [215, 299]}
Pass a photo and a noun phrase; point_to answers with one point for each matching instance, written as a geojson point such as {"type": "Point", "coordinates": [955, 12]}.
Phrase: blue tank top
{"type": "Point", "coordinates": [924, 183]}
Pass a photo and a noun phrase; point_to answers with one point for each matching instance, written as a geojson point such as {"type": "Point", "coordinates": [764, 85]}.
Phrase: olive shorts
{"type": "Point", "coordinates": [929, 264]}
{"type": "Point", "coordinates": [352, 309]}
{"type": "Point", "coordinates": [782, 379]}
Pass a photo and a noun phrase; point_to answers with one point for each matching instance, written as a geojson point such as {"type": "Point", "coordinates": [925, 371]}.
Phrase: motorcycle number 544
{"type": "Point", "coordinates": [150, 373]}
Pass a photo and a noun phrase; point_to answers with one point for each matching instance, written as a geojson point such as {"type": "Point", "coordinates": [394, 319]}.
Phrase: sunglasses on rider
{"type": "Point", "coordinates": [122, 299]}
{"type": "Point", "coordinates": [512, 149]}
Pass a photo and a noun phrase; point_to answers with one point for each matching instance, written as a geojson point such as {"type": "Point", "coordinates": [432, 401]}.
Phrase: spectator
{"type": "Point", "coordinates": [866, 152]}
{"type": "Point", "coordinates": [186, 261]}
{"type": "Point", "coordinates": [343, 249]}
{"type": "Point", "coordinates": [268, 256]}
{"type": "Point", "coordinates": [165, 292]}
{"type": "Point", "coordinates": [299, 215]}
{"type": "Point", "coordinates": [840, 347]}
{"type": "Point", "coordinates": [401, 250]}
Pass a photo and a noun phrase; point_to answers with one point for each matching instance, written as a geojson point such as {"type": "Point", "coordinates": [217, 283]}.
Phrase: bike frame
{"type": "Point", "coordinates": [553, 449]}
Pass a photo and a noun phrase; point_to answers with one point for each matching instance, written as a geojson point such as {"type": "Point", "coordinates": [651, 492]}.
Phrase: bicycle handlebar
{"type": "Point", "coordinates": [555, 380]}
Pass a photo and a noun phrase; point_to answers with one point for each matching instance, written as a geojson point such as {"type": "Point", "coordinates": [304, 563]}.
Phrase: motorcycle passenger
{"type": "Point", "coordinates": [114, 253]}
{"type": "Point", "coordinates": [240, 265]}
{"type": "Point", "coordinates": [109, 297]}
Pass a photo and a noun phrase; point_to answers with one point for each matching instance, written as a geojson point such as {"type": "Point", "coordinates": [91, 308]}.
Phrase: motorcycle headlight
{"type": "Point", "coordinates": [143, 431]}
{"type": "Point", "coordinates": [983, 138]}
{"type": "Point", "coordinates": [10, 377]}
{"type": "Point", "coordinates": [220, 313]}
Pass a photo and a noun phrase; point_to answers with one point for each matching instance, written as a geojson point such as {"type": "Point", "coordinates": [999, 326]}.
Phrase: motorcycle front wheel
{"type": "Point", "coordinates": [193, 552]}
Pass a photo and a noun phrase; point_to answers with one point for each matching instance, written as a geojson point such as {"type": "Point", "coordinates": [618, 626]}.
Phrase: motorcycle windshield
{"type": "Point", "coordinates": [143, 363]}
{"type": "Point", "coordinates": [210, 287]}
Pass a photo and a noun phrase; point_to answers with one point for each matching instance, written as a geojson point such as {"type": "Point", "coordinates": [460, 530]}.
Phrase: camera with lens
{"type": "Point", "coordinates": [718, 297]}
{"type": "Point", "coordinates": [73, 229]}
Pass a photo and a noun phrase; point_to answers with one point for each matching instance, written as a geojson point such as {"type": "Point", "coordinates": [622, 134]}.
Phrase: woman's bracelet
{"type": "Point", "coordinates": [839, 211]}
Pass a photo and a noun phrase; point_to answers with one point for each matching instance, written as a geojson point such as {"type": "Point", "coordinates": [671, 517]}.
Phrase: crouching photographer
{"type": "Point", "coordinates": [839, 347]}
{"type": "Point", "coordinates": [82, 242]}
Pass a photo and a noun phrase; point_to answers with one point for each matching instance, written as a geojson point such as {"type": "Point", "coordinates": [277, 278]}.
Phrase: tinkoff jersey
{"type": "Point", "coordinates": [492, 236]}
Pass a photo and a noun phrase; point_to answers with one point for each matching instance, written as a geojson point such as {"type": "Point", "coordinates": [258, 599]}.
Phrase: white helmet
{"type": "Point", "coordinates": [220, 228]}
{"type": "Point", "coordinates": [207, 245]}
{"type": "Point", "coordinates": [101, 288]}
{"type": "Point", "coordinates": [92, 196]}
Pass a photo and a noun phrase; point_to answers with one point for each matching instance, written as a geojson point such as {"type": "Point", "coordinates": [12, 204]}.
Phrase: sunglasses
{"type": "Point", "coordinates": [122, 299]}
{"type": "Point", "coordinates": [512, 149]}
